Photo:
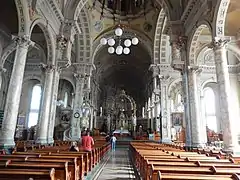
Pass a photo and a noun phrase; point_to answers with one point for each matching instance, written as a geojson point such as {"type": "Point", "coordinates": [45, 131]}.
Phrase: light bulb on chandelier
{"type": "Point", "coordinates": [111, 42]}
{"type": "Point", "coordinates": [103, 41]}
{"type": "Point", "coordinates": [127, 43]}
{"type": "Point", "coordinates": [111, 50]}
{"type": "Point", "coordinates": [135, 41]}
{"type": "Point", "coordinates": [119, 50]}
{"type": "Point", "coordinates": [118, 32]}
{"type": "Point", "coordinates": [126, 50]}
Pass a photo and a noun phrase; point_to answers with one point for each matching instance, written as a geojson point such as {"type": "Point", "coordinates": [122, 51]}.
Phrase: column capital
{"type": "Point", "coordinates": [165, 78]}
{"type": "Point", "coordinates": [79, 76]}
{"type": "Point", "coordinates": [179, 42]}
{"type": "Point", "coordinates": [48, 67]}
{"type": "Point", "coordinates": [23, 41]}
{"type": "Point", "coordinates": [218, 43]}
{"type": "Point", "coordinates": [62, 42]}
{"type": "Point", "coordinates": [195, 69]}
{"type": "Point", "coordinates": [2, 69]}
{"type": "Point", "coordinates": [155, 69]}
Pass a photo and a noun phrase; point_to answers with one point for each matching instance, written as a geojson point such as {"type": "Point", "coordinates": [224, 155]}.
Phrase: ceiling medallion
{"type": "Point", "coordinates": [122, 46]}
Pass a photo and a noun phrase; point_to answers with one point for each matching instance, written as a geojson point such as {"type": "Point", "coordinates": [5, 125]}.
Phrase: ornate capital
{"type": "Point", "coordinates": [47, 67]}
{"type": "Point", "coordinates": [195, 69]}
{"type": "Point", "coordinates": [61, 42]}
{"type": "Point", "coordinates": [179, 42]}
{"type": "Point", "coordinates": [218, 43]}
{"type": "Point", "coordinates": [23, 41]}
{"type": "Point", "coordinates": [2, 69]}
{"type": "Point", "coordinates": [79, 76]}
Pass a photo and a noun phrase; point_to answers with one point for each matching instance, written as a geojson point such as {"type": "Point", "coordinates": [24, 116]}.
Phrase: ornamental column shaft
{"type": "Point", "coordinates": [14, 92]}
{"type": "Point", "coordinates": [44, 116]}
{"type": "Point", "coordinates": [78, 100]}
{"type": "Point", "coordinates": [226, 107]}
{"type": "Point", "coordinates": [165, 111]}
{"type": "Point", "coordinates": [180, 63]}
{"type": "Point", "coordinates": [51, 124]}
{"type": "Point", "coordinates": [2, 70]}
{"type": "Point", "coordinates": [194, 97]}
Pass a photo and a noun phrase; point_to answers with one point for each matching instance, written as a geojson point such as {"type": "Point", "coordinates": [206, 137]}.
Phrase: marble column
{"type": "Point", "coordinates": [226, 107]}
{"type": "Point", "coordinates": [157, 114]}
{"type": "Point", "coordinates": [194, 97]}
{"type": "Point", "coordinates": [78, 100]}
{"type": "Point", "coordinates": [180, 63]}
{"type": "Point", "coordinates": [2, 70]}
{"type": "Point", "coordinates": [203, 120]}
{"type": "Point", "coordinates": [52, 119]}
{"type": "Point", "coordinates": [165, 111]}
{"type": "Point", "coordinates": [44, 116]}
{"type": "Point", "coordinates": [14, 92]}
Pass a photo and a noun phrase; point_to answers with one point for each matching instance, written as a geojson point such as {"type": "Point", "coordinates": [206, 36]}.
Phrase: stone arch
{"type": "Point", "coordinates": [220, 17]}
{"type": "Point", "coordinates": [84, 38]}
{"type": "Point", "coordinates": [172, 84]}
{"type": "Point", "coordinates": [206, 84]}
{"type": "Point", "coordinates": [69, 80]}
{"type": "Point", "coordinates": [194, 39]}
{"type": "Point", "coordinates": [49, 38]}
{"type": "Point", "coordinates": [23, 17]}
{"type": "Point", "coordinates": [129, 33]}
{"type": "Point", "coordinates": [31, 77]}
{"type": "Point", "coordinates": [158, 37]}
{"type": "Point", "coordinates": [75, 10]}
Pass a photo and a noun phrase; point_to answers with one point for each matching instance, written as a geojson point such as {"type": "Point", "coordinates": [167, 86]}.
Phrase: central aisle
{"type": "Point", "coordinates": [118, 166]}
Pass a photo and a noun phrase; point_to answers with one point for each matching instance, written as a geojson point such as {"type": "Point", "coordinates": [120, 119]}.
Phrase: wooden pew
{"type": "Point", "coordinates": [26, 174]}
{"type": "Point", "coordinates": [62, 170]}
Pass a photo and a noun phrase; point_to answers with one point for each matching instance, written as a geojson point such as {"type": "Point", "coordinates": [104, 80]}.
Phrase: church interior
{"type": "Point", "coordinates": [162, 76]}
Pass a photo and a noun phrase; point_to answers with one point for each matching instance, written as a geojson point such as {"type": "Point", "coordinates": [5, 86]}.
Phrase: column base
{"type": "Point", "coordinates": [166, 141]}
{"type": "Point", "coordinates": [50, 141]}
{"type": "Point", "coordinates": [232, 150]}
{"type": "Point", "coordinates": [7, 145]}
{"type": "Point", "coordinates": [42, 141]}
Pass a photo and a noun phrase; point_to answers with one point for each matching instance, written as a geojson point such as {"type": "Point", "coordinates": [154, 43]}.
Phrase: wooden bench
{"type": "Point", "coordinates": [26, 174]}
{"type": "Point", "coordinates": [62, 170]}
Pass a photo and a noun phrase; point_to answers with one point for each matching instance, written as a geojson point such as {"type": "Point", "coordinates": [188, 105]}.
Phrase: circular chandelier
{"type": "Point", "coordinates": [118, 47]}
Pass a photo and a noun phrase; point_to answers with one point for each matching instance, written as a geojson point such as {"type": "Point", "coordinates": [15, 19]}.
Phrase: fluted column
{"type": "Point", "coordinates": [44, 116]}
{"type": "Point", "coordinates": [14, 92]}
{"type": "Point", "coordinates": [51, 123]}
{"type": "Point", "coordinates": [194, 96]}
{"type": "Point", "coordinates": [226, 107]}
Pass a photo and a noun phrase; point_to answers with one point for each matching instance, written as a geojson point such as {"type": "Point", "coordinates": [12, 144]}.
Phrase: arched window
{"type": "Point", "coordinates": [179, 104]}
{"type": "Point", "coordinates": [65, 99]}
{"type": "Point", "coordinates": [210, 111]}
{"type": "Point", "coordinates": [35, 105]}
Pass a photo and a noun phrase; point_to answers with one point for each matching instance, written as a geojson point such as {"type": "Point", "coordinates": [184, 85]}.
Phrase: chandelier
{"type": "Point", "coordinates": [117, 44]}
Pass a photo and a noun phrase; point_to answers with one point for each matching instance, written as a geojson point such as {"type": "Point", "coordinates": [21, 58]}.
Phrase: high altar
{"type": "Point", "coordinates": [122, 113]}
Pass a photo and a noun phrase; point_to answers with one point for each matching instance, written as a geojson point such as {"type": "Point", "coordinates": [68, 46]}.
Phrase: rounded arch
{"type": "Point", "coordinates": [220, 18]}
{"type": "Point", "coordinates": [69, 80]}
{"type": "Point", "coordinates": [23, 17]}
{"type": "Point", "coordinates": [194, 40]}
{"type": "Point", "coordinates": [172, 85]}
{"type": "Point", "coordinates": [128, 33]}
{"type": "Point", "coordinates": [84, 38]}
{"type": "Point", "coordinates": [32, 77]}
{"type": "Point", "coordinates": [158, 37]}
{"type": "Point", "coordinates": [49, 38]}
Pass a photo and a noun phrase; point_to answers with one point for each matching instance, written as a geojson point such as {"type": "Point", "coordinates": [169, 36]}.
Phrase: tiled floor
{"type": "Point", "coordinates": [118, 166]}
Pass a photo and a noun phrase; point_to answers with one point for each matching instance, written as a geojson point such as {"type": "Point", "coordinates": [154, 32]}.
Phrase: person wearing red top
{"type": "Point", "coordinates": [87, 142]}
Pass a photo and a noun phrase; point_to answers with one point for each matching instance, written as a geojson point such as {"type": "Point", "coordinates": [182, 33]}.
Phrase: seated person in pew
{"type": "Point", "coordinates": [74, 147]}
{"type": "Point", "coordinates": [87, 142]}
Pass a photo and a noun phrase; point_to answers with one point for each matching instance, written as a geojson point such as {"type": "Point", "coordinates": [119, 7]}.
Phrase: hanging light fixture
{"type": "Point", "coordinates": [120, 48]}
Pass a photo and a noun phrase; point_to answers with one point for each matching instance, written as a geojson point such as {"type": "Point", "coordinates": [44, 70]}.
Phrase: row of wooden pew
{"type": "Point", "coordinates": [51, 162]}
{"type": "Point", "coordinates": [157, 161]}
